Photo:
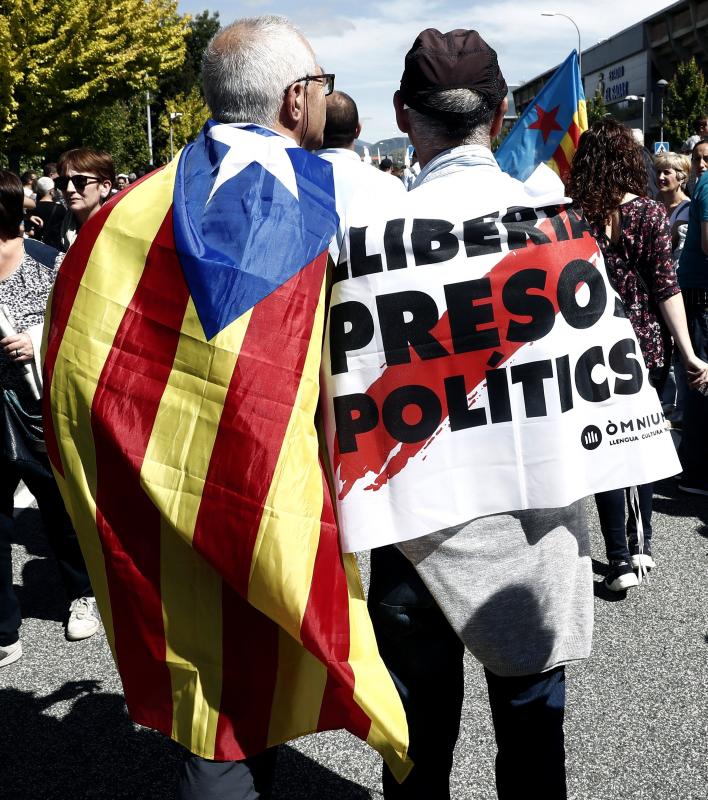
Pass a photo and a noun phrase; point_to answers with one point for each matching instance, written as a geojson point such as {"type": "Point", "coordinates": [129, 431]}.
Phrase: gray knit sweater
{"type": "Point", "coordinates": [517, 588]}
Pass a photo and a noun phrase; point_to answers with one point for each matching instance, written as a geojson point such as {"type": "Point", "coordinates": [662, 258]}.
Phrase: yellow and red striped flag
{"type": "Point", "coordinates": [181, 386]}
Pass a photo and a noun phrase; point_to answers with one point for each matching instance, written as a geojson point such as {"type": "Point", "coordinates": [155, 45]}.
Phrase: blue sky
{"type": "Point", "coordinates": [364, 41]}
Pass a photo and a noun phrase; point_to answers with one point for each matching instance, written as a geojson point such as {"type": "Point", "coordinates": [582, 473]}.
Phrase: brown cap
{"type": "Point", "coordinates": [458, 59]}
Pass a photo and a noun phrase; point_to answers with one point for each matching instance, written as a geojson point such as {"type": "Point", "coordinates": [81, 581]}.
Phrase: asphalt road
{"type": "Point", "coordinates": [637, 712]}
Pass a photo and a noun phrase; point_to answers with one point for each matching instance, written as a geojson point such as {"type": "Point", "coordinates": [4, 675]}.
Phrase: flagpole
{"type": "Point", "coordinates": [558, 14]}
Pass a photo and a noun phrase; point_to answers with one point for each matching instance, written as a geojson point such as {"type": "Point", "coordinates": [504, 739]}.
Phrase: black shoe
{"type": "Point", "coordinates": [621, 576]}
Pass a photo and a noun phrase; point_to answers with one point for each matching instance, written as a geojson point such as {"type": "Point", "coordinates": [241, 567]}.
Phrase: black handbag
{"type": "Point", "coordinates": [22, 436]}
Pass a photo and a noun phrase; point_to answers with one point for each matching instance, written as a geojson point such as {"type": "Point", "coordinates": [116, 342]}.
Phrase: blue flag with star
{"type": "Point", "coordinates": [250, 209]}
{"type": "Point", "coordinates": [550, 127]}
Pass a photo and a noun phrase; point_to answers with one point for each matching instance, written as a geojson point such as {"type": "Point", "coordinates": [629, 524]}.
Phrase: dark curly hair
{"type": "Point", "coordinates": [607, 165]}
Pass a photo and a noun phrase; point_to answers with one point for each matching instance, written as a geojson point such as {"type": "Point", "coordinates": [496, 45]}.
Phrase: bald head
{"type": "Point", "coordinates": [342, 124]}
{"type": "Point", "coordinates": [248, 65]}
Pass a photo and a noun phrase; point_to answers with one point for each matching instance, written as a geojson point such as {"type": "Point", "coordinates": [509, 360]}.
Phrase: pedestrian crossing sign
{"type": "Point", "coordinates": [661, 147]}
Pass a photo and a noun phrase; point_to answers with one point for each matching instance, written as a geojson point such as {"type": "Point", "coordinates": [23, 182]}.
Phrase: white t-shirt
{"type": "Point", "coordinates": [353, 177]}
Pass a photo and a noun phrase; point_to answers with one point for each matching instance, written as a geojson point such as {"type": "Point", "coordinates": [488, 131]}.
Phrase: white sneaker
{"type": "Point", "coordinates": [83, 619]}
{"type": "Point", "coordinates": [10, 653]}
{"type": "Point", "coordinates": [644, 560]}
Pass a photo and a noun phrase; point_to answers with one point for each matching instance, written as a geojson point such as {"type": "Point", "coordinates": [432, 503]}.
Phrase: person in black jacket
{"type": "Point", "coordinates": [47, 218]}
{"type": "Point", "coordinates": [27, 272]}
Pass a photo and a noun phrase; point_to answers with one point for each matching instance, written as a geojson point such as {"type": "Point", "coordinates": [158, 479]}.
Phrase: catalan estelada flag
{"type": "Point", "coordinates": [549, 129]}
{"type": "Point", "coordinates": [181, 368]}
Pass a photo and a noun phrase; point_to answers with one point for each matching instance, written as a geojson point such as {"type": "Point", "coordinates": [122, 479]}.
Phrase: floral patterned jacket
{"type": "Point", "coordinates": [641, 268]}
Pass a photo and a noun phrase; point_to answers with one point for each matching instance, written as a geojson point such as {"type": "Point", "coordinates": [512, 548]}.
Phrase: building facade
{"type": "Point", "coordinates": [627, 67]}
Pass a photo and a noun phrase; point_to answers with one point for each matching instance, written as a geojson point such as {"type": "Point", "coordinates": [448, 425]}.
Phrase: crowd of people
{"type": "Point", "coordinates": [655, 249]}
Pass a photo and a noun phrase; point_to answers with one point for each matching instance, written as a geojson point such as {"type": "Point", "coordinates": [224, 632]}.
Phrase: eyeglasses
{"type": "Point", "coordinates": [696, 158]}
{"type": "Point", "coordinates": [327, 80]}
{"type": "Point", "coordinates": [80, 182]}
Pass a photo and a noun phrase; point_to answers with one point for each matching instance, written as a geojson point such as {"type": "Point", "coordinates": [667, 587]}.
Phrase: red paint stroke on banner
{"type": "Point", "coordinates": [376, 448]}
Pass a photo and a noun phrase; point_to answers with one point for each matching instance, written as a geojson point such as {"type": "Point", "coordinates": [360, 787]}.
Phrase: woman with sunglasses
{"type": "Point", "coordinates": [27, 272]}
{"type": "Point", "coordinates": [86, 177]}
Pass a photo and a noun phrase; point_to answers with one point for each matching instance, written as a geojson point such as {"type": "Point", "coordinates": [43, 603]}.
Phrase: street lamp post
{"type": "Point", "coordinates": [173, 116]}
{"type": "Point", "coordinates": [644, 103]}
{"type": "Point", "coordinates": [149, 129]}
{"type": "Point", "coordinates": [558, 14]}
{"type": "Point", "coordinates": [661, 86]}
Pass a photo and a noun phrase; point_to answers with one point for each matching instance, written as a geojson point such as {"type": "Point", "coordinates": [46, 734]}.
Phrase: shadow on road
{"type": "Point", "coordinates": [94, 752]}
{"type": "Point", "coordinates": [298, 777]}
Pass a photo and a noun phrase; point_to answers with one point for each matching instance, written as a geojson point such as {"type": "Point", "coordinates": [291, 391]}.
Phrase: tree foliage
{"type": "Point", "coordinates": [119, 129]}
{"type": "Point", "coordinates": [596, 107]}
{"type": "Point", "coordinates": [64, 60]}
{"type": "Point", "coordinates": [194, 113]}
{"type": "Point", "coordinates": [686, 99]}
{"type": "Point", "coordinates": [200, 29]}
{"type": "Point", "coordinates": [176, 88]}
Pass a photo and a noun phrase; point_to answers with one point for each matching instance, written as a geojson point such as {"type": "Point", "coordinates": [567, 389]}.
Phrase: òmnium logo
{"type": "Point", "coordinates": [591, 437]}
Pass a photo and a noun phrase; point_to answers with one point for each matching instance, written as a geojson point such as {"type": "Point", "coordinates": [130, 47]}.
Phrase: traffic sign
{"type": "Point", "coordinates": [661, 147]}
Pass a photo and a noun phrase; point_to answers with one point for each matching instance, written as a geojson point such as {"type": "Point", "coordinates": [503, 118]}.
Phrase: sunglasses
{"type": "Point", "coordinates": [80, 182]}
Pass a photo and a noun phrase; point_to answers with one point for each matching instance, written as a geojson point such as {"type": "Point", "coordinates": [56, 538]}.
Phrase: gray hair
{"type": "Point", "coordinates": [248, 65]}
{"type": "Point", "coordinates": [44, 187]}
{"type": "Point", "coordinates": [474, 120]}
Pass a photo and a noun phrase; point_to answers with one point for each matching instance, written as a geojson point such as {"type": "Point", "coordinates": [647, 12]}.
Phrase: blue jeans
{"type": "Point", "coordinates": [611, 506]}
{"type": "Point", "coordinates": [693, 450]}
{"type": "Point", "coordinates": [425, 658]}
{"type": "Point", "coordinates": [612, 512]}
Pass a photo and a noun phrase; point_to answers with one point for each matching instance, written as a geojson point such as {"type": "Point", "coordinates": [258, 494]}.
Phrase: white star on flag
{"type": "Point", "coordinates": [245, 149]}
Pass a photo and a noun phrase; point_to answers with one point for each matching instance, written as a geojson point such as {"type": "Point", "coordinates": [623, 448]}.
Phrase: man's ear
{"type": "Point", "coordinates": [292, 109]}
{"type": "Point", "coordinates": [498, 120]}
{"type": "Point", "coordinates": [401, 113]}
{"type": "Point", "coordinates": [357, 132]}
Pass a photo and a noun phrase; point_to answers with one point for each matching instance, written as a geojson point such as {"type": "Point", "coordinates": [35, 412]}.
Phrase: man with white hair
{"type": "Point", "coordinates": [263, 71]}
{"type": "Point", "coordinates": [260, 72]}
{"type": "Point", "coordinates": [50, 214]}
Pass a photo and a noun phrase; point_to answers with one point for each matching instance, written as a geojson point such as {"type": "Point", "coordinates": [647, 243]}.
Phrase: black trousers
{"type": "Point", "coordinates": [60, 534]}
{"type": "Point", "coordinates": [251, 779]}
{"type": "Point", "coordinates": [425, 658]}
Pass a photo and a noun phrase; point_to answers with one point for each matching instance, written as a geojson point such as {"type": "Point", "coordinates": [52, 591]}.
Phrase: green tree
{"type": "Point", "coordinates": [119, 129]}
{"type": "Point", "coordinates": [63, 60]}
{"type": "Point", "coordinates": [686, 98]}
{"type": "Point", "coordinates": [193, 113]}
{"type": "Point", "coordinates": [175, 85]}
{"type": "Point", "coordinates": [596, 107]}
{"type": "Point", "coordinates": [200, 29]}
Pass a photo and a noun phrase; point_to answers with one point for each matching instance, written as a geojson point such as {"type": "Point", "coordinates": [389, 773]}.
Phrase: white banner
{"type": "Point", "coordinates": [478, 364]}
